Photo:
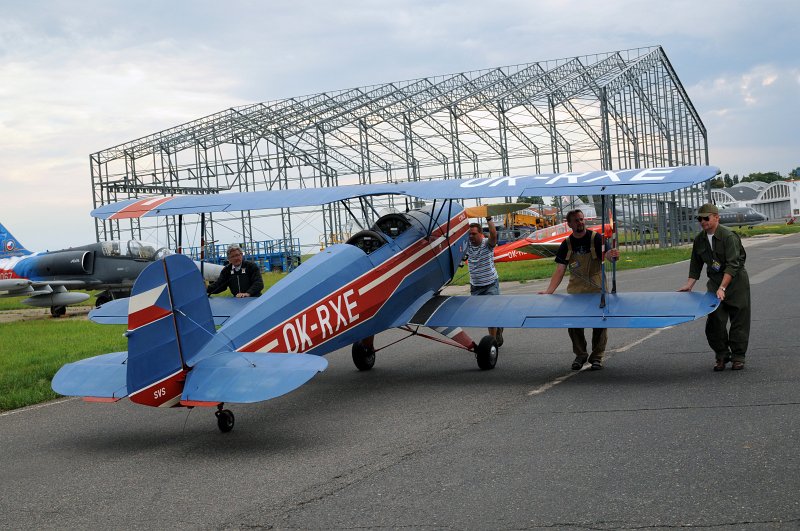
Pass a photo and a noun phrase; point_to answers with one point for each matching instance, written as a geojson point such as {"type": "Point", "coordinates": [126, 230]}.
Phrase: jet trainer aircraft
{"type": "Point", "coordinates": [740, 216]}
{"type": "Point", "coordinates": [386, 276]}
{"type": "Point", "coordinates": [46, 277]}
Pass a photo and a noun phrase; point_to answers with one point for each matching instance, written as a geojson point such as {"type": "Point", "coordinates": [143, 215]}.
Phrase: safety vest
{"type": "Point", "coordinates": [584, 269]}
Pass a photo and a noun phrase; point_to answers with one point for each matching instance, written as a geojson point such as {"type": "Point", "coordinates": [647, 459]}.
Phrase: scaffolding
{"type": "Point", "coordinates": [614, 110]}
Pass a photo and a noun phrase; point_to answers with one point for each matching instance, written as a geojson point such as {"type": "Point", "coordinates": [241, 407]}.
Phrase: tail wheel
{"type": "Point", "coordinates": [486, 353]}
{"type": "Point", "coordinates": [225, 420]}
{"type": "Point", "coordinates": [363, 356]}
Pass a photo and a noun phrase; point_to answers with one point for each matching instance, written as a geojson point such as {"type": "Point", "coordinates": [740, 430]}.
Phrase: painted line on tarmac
{"type": "Point", "coordinates": [640, 341]}
{"type": "Point", "coordinates": [549, 385]}
{"type": "Point", "coordinates": [773, 271]}
{"type": "Point", "coordinates": [38, 406]}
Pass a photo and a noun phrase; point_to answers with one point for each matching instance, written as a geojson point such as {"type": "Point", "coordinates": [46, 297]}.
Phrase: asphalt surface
{"type": "Point", "coordinates": [425, 440]}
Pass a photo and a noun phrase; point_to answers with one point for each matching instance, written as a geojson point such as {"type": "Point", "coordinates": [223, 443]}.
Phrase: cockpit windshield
{"type": "Point", "coordinates": [392, 225]}
{"type": "Point", "coordinates": [368, 241]}
{"type": "Point", "coordinates": [133, 249]}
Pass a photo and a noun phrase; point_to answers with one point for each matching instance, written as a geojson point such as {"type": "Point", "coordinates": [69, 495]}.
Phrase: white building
{"type": "Point", "coordinates": [777, 200]}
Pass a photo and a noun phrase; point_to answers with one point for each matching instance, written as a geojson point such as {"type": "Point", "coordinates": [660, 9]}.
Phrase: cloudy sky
{"type": "Point", "coordinates": [79, 77]}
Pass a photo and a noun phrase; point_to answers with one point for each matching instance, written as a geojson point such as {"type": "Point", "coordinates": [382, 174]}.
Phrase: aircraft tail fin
{"type": "Point", "coordinates": [11, 246]}
{"type": "Point", "coordinates": [169, 321]}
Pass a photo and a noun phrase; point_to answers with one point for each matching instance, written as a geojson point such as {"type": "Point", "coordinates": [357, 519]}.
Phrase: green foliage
{"type": "Point", "coordinates": [717, 182]}
{"type": "Point", "coordinates": [768, 177]}
{"type": "Point", "coordinates": [543, 268]}
{"type": "Point", "coordinates": [761, 230]}
{"type": "Point", "coordinates": [728, 181]}
{"type": "Point", "coordinates": [532, 199]}
{"type": "Point", "coordinates": [32, 351]}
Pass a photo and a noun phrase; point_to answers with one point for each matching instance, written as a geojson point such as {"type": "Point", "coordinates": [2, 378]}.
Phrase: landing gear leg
{"type": "Point", "coordinates": [225, 419]}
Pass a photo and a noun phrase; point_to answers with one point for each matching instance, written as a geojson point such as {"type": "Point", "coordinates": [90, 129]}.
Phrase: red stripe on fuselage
{"type": "Point", "coordinates": [356, 302]}
{"type": "Point", "coordinates": [140, 208]}
{"type": "Point", "coordinates": [166, 391]}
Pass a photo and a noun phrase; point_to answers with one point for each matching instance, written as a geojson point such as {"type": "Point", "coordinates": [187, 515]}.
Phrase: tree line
{"type": "Point", "coordinates": [726, 181]}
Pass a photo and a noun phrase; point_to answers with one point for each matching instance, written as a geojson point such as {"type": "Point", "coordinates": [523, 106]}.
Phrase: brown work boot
{"type": "Point", "coordinates": [578, 363]}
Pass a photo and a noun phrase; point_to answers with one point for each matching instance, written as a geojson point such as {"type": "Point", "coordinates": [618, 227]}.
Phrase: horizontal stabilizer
{"type": "Point", "coordinates": [244, 377]}
{"type": "Point", "coordinates": [622, 310]}
{"type": "Point", "coordinates": [222, 308]}
{"type": "Point", "coordinates": [100, 377]}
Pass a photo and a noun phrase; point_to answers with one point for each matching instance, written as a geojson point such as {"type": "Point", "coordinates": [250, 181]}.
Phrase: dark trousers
{"type": "Point", "coordinates": [599, 340]}
{"type": "Point", "coordinates": [729, 344]}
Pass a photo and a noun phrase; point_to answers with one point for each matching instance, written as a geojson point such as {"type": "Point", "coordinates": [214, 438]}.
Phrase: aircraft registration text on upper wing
{"type": "Point", "coordinates": [604, 182]}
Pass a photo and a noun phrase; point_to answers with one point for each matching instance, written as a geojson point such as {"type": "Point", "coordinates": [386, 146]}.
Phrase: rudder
{"type": "Point", "coordinates": [169, 320]}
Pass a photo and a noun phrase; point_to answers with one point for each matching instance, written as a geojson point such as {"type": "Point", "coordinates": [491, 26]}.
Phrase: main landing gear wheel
{"type": "Point", "coordinates": [102, 298]}
{"type": "Point", "coordinates": [58, 311]}
{"type": "Point", "coordinates": [363, 357]}
{"type": "Point", "coordinates": [486, 353]}
{"type": "Point", "coordinates": [225, 419]}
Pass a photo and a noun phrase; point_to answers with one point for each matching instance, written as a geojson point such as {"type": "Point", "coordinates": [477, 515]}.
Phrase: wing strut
{"type": "Point", "coordinates": [447, 238]}
{"type": "Point", "coordinates": [603, 250]}
{"type": "Point", "coordinates": [614, 242]}
{"type": "Point", "coordinates": [347, 207]}
{"type": "Point", "coordinates": [179, 250]}
{"type": "Point", "coordinates": [430, 221]}
{"type": "Point", "coordinates": [202, 243]}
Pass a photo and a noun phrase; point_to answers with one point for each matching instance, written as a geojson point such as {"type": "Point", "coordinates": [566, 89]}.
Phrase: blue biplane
{"type": "Point", "coordinates": [387, 276]}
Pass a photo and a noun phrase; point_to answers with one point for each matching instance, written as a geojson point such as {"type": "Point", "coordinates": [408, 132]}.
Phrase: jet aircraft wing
{"type": "Point", "coordinates": [604, 182]}
{"type": "Point", "coordinates": [622, 310]}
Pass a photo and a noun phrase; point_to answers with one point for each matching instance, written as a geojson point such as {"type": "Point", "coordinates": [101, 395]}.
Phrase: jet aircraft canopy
{"type": "Point", "coordinates": [138, 250]}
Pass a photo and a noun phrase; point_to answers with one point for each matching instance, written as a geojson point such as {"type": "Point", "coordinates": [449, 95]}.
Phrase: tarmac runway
{"type": "Point", "coordinates": [425, 440]}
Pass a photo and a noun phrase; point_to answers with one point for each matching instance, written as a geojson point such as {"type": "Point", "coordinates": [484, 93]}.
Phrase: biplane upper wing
{"type": "Point", "coordinates": [622, 310]}
{"type": "Point", "coordinates": [605, 182]}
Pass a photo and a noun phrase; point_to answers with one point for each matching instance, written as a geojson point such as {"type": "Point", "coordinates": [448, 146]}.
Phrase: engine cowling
{"type": "Point", "coordinates": [65, 263]}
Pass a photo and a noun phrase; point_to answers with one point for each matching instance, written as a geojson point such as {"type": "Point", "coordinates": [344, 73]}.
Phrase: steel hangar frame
{"type": "Point", "coordinates": [614, 110]}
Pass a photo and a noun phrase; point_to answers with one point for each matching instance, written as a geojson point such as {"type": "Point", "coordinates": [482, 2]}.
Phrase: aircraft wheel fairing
{"type": "Point", "coordinates": [225, 420]}
{"type": "Point", "coordinates": [486, 353]}
{"type": "Point", "coordinates": [363, 357]}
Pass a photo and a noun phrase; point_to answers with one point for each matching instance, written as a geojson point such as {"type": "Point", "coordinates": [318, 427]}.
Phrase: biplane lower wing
{"type": "Point", "coordinates": [101, 376]}
{"type": "Point", "coordinates": [622, 310]}
{"type": "Point", "coordinates": [246, 377]}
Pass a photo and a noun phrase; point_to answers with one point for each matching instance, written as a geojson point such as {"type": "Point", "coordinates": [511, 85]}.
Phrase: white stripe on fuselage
{"type": "Point", "coordinates": [397, 268]}
{"type": "Point", "coordinates": [404, 263]}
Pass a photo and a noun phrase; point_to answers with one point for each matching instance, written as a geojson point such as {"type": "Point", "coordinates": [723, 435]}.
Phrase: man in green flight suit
{"type": "Point", "coordinates": [721, 250]}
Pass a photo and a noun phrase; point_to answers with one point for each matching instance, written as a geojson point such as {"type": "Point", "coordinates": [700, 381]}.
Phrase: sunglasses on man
{"type": "Point", "coordinates": [703, 218]}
